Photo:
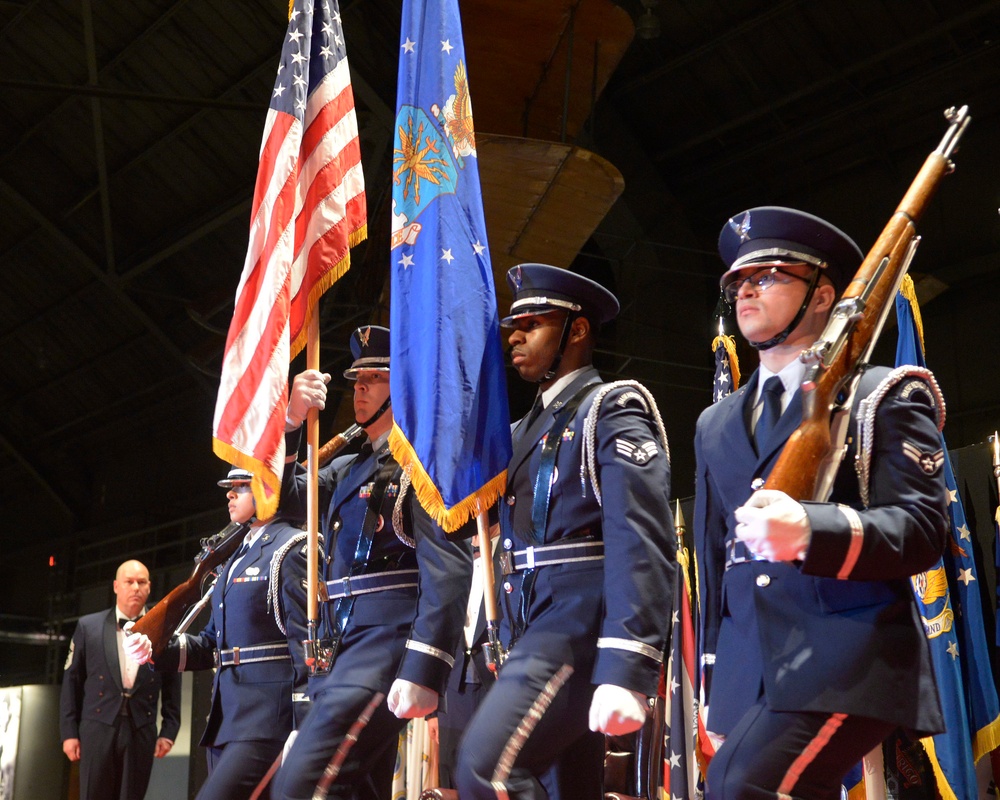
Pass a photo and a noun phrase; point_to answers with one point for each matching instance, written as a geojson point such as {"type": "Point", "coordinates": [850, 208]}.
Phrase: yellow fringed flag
{"type": "Point", "coordinates": [959, 649]}
{"type": "Point", "coordinates": [449, 393]}
{"type": "Point", "coordinates": [309, 209]}
{"type": "Point", "coordinates": [727, 367]}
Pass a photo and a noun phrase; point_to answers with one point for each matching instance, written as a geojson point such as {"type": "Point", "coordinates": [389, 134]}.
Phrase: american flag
{"type": "Point", "coordinates": [308, 211]}
{"type": "Point", "coordinates": [727, 371]}
{"type": "Point", "coordinates": [681, 774]}
{"type": "Point", "coordinates": [687, 748]}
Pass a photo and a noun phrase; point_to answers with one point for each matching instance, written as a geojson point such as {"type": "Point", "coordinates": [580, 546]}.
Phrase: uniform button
{"type": "Point", "coordinates": [763, 580]}
{"type": "Point", "coordinates": [507, 587]}
{"type": "Point", "coordinates": [508, 544]}
{"type": "Point", "coordinates": [757, 483]}
{"type": "Point", "coordinates": [220, 605]}
{"type": "Point", "coordinates": [336, 524]}
{"type": "Point", "coordinates": [510, 499]}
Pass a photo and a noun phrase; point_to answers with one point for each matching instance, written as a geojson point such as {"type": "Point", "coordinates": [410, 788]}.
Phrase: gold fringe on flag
{"type": "Point", "coordinates": [266, 490]}
{"type": "Point", "coordinates": [729, 342]}
{"type": "Point", "coordinates": [909, 291]}
{"type": "Point", "coordinates": [329, 278]}
{"type": "Point", "coordinates": [450, 519]}
{"type": "Point", "coordinates": [987, 740]}
{"type": "Point", "coordinates": [943, 787]}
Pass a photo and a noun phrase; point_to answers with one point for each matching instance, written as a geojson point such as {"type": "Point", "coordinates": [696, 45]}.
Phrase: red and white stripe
{"type": "Point", "coordinates": [308, 209]}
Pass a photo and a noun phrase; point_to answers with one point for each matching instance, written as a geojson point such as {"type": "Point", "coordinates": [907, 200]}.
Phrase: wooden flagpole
{"type": "Point", "coordinates": [312, 500]}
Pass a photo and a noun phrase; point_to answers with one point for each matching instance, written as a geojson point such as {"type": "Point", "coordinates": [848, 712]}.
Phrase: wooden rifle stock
{"type": "Point", "coordinates": [160, 622]}
{"type": "Point", "coordinates": [336, 444]}
{"type": "Point", "coordinates": [810, 458]}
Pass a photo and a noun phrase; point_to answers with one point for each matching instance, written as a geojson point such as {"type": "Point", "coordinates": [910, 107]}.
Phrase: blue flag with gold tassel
{"type": "Point", "coordinates": [449, 393]}
{"type": "Point", "coordinates": [953, 620]}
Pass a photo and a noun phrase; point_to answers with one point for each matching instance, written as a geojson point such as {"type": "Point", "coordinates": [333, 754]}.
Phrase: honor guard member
{"type": "Point", "coordinates": [588, 542]}
{"type": "Point", "coordinates": [254, 639]}
{"type": "Point", "coordinates": [395, 586]}
{"type": "Point", "coordinates": [812, 647]}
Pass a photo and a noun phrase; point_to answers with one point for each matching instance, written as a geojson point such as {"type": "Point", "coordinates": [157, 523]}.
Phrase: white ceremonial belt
{"type": "Point", "coordinates": [349, 586]}
{"type": "Point", "coordinates": [546, 555]}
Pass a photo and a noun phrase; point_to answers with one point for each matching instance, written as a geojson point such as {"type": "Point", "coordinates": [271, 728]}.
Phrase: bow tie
{"type": "Point", "coordinates": [122, 621]}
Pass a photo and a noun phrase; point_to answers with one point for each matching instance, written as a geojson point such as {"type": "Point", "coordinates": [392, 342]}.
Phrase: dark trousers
{"type": "Point", "coordinates": [333, 712]}
{"type": "Point", "coordinates": [531, 725]}
{"type": "Point", "coordinates": [462, 703]}
{"type": "Point", "coordinates": [115, 759]}
{"type": "Point", "coordinates": [235, 769]}
{"type": "Point", "coordinates": [804, 755]}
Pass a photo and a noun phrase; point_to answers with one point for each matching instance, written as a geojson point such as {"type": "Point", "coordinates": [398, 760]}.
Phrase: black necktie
{"type": "Point", "coordinates": [122, 621]}
{"type": "Point", "coordinates": [536, 409]}
{"type": "Point", "coordinates": [770, 413]}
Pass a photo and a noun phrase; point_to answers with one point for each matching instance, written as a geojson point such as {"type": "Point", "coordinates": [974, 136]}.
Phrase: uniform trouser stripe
{"type": "Point", "coordinates": [340, 756]}
{"type": "Point", "coordinates": [528, 724]}
{"type": "Point", "coordinates": [808, 755]}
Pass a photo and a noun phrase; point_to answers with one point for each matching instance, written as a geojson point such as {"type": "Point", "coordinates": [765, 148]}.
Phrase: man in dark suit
{"type": "Point", "coordinates": [396, 586]}
{"type": "Point", "coordinates": [812, 647]}
{"type": "Point", "coordinates": [254, 638]}
{"type": "Point", "coordinates": [587, 538]}
{"type": "Point", "coordinates": [108, 705]}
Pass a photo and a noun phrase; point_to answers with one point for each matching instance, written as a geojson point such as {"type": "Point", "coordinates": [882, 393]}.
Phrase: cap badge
{"type": "Point", "coordinates": [517, 279]}
{"type": "Point", "coordinates": [364, 334]}
{"type": "Point", "coordinates": [742, 227]}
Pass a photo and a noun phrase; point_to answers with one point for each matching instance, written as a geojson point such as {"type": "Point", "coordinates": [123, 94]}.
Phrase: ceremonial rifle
{"type": "Point", "coordinates": [165, 618]}
{"type": "Point", "coordinates": [835, 362]}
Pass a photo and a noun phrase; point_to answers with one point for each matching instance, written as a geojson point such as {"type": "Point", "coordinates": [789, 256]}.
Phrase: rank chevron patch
{"type": "Point", "coordinates": [928, 462]}
{"type": "Point", "coordinates": [639, 453]}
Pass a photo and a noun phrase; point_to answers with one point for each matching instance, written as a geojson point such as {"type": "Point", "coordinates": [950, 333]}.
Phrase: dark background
{"type": "Point", "coordinates": [129, 135]}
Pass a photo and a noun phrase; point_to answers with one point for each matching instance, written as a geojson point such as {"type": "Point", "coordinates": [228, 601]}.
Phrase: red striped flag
{"type": "Point", "coordinates": [682, 777]}
{"type": "Point", "coordinates": [308, 211]}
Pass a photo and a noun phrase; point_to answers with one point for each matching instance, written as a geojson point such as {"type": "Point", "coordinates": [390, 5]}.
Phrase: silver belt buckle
{"type": "Point", "coordinates": [507, 563]}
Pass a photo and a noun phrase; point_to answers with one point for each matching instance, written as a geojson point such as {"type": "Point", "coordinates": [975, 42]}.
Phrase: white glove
{"type": "Point", "coordinates": [774, 526]}
{"type": "Point", "coordinates": [616, 710]}
{"type": "Point", "coordinates": [308, 391]}
{"type": "Point", "coordinates": [408, 700]}
{"type": "Point", "coordinates": [137, 646]}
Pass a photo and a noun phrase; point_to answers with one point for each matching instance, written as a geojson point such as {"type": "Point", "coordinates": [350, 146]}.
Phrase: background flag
{"type": "Point", "coordinates": [308, 211]}
{"type": "Point", "coordinates": [725, 381]}
{"type": "Point", "coordinates": [727, 366]}
{"type": "Point", "coordinates": [681, 775]}
{"type": "Point", "coordinates": [449, 394]}
{"type": "Point", "coordinates": [949, 603]}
